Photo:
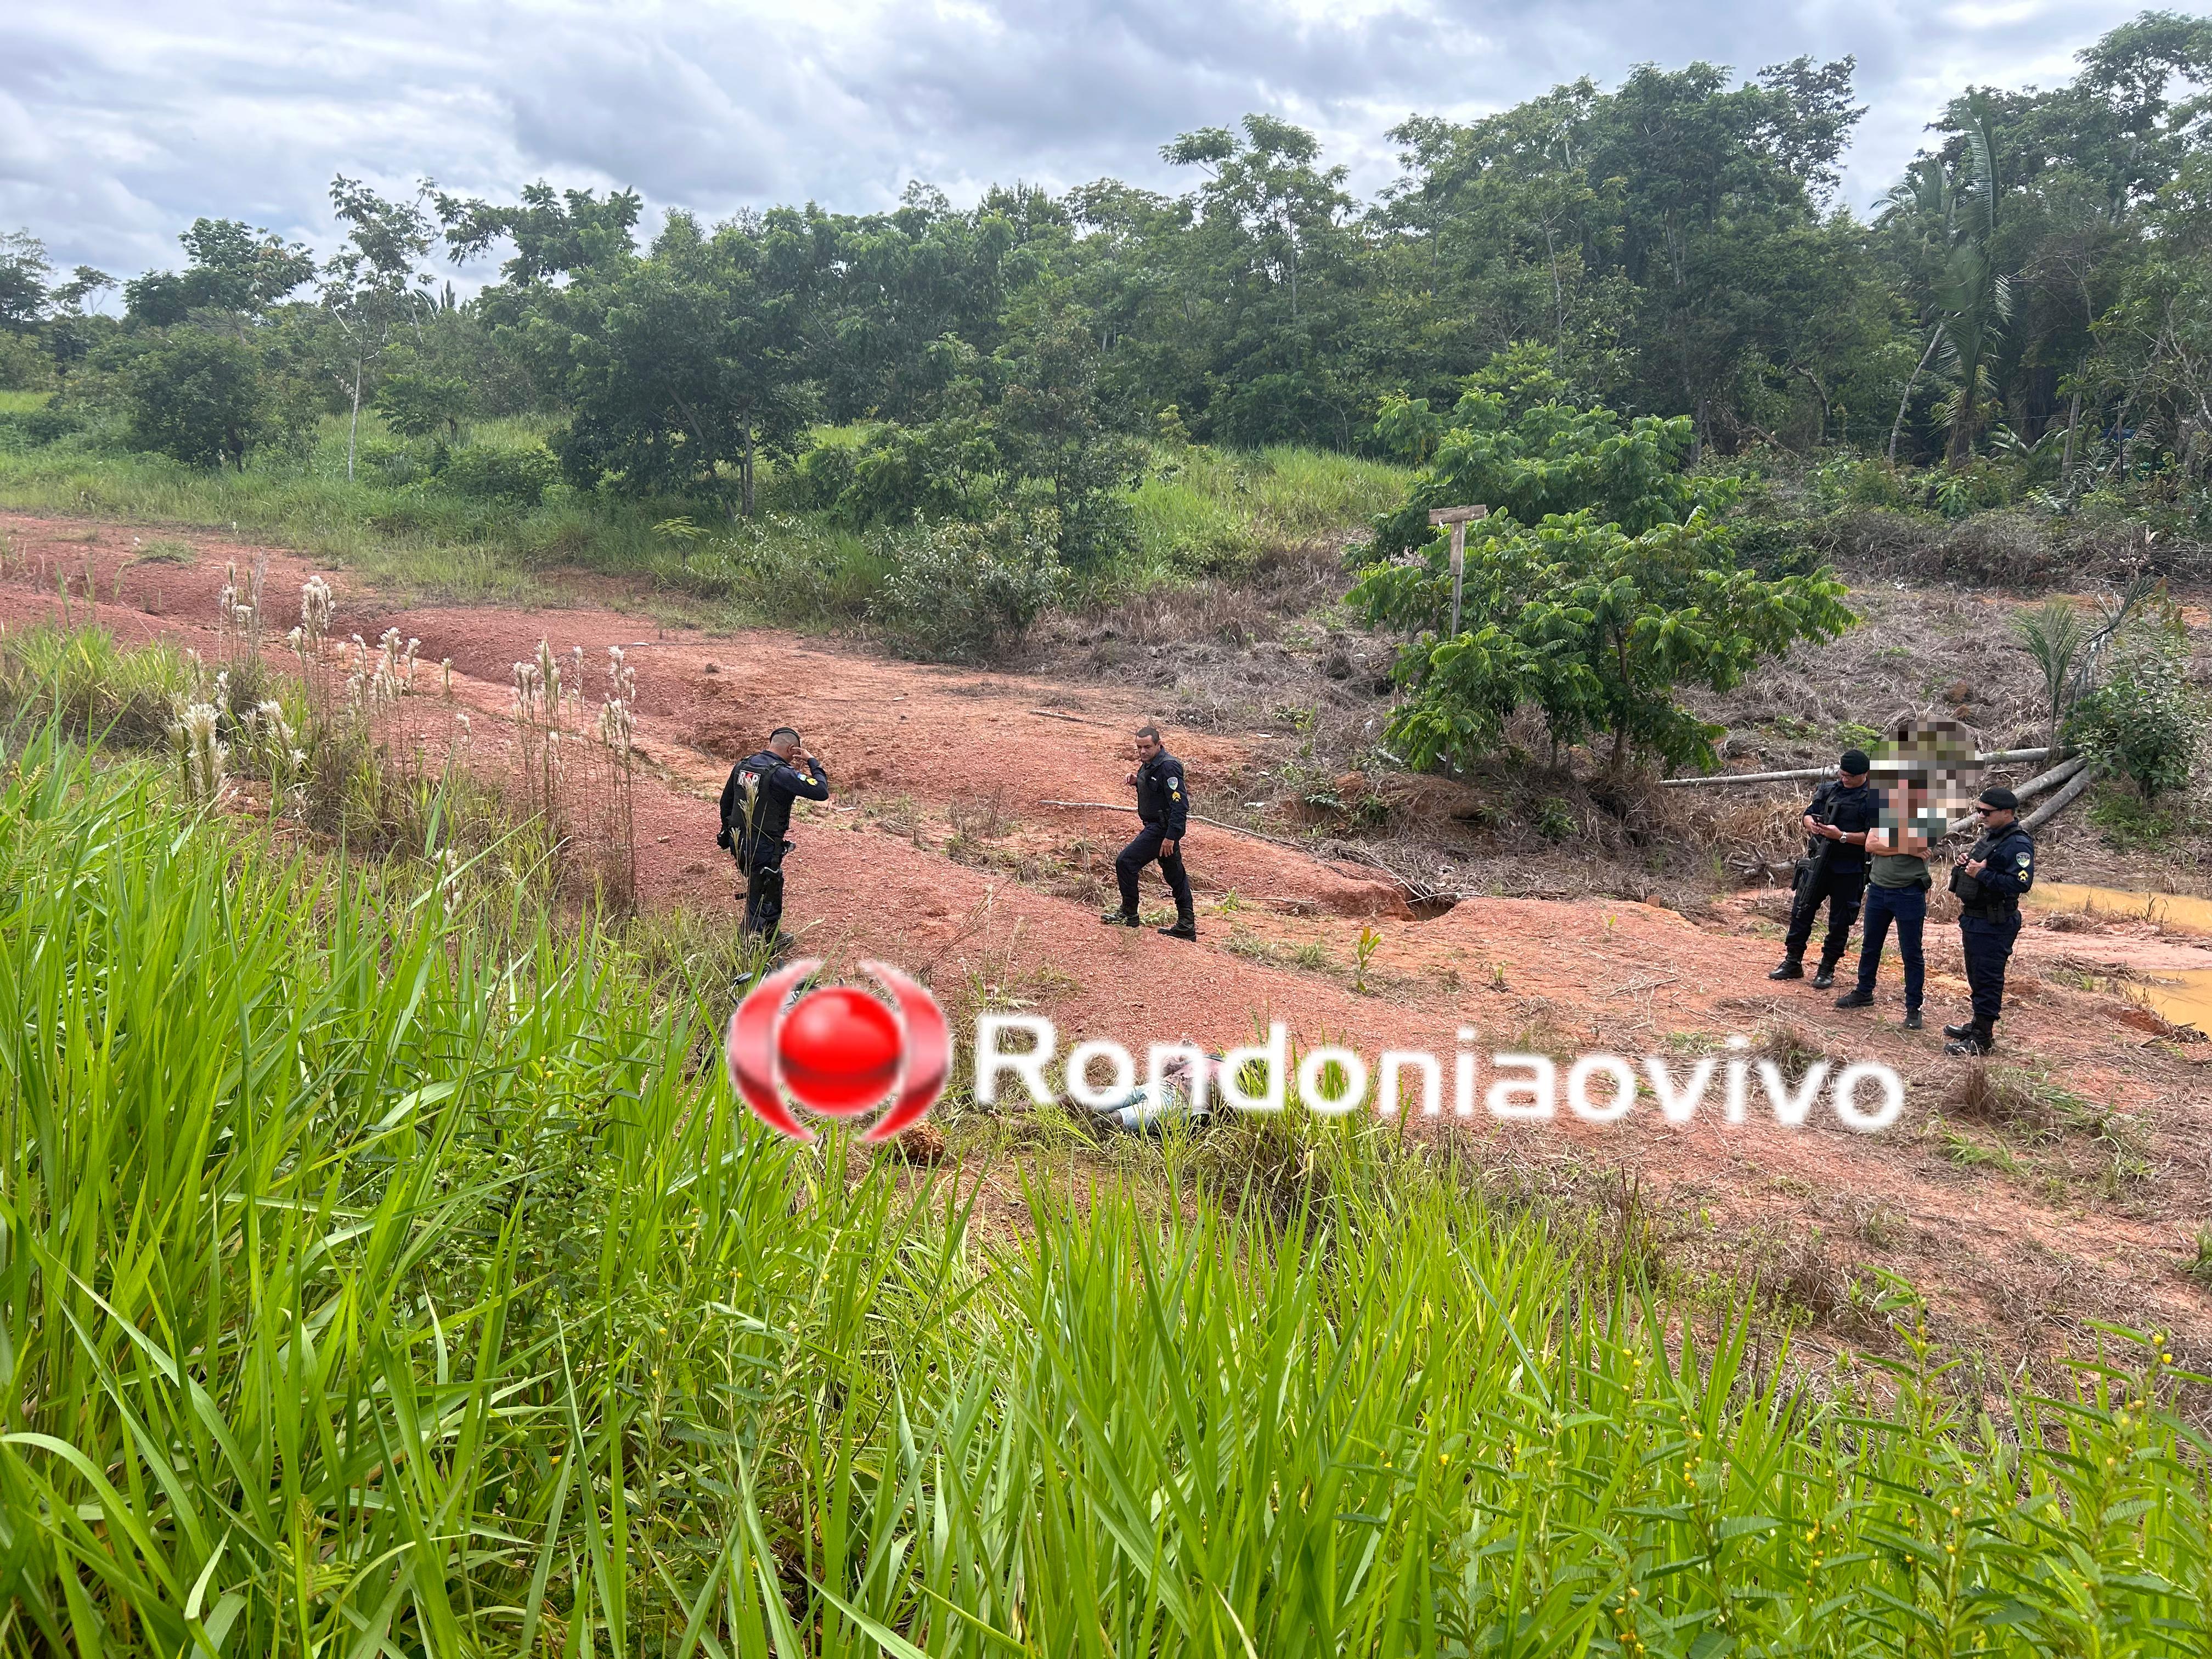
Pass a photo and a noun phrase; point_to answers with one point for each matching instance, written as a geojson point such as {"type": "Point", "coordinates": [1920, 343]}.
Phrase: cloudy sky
{"type": "Point", "coordinates": [120, 120]}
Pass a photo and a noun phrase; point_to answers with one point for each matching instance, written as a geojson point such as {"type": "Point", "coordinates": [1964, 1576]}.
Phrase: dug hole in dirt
{"type": "Point", "coordinates": [2065, 1185]}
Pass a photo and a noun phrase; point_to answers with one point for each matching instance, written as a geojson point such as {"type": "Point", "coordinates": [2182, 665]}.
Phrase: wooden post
{"type": "Point", "coordinates": [1458, 519]}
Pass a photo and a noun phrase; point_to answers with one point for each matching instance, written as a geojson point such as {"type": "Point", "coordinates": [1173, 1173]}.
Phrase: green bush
{"type": "Point", "coordinates": [2129, 823]}
{"type": "Point", "coordinates": [946, 468]}
{"type": "Point", "coordinates": [420, 404]}
{"type": "Point", "coordinates": [1859, 481]}
{"type": "Point", "coordinates": [1773, 548]}
{"type": "Point", "coordinates": [821, 474]}
{"type": "Point", "coordinates": [519, 475]}
{"type": "Point", "coordinates": [1599, 584]}
{"type": "Point", "coordinates": [965, 591]}
{"type": "Point", "coordinates": [198, 398]}
{"type": "Point", "coordinates": [35, 429]}
{"type": "Point", "coordinates": [23, 366]}
{"type": "Point", "coordinates": [785, 569]}
{"type": "Point", "coordinates": [2145, 723]}
{"type": "Point", "coordinates": [391, 461]}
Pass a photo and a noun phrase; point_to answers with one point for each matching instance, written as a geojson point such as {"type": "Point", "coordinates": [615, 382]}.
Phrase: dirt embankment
{"type": "Point", "coordinates": [939, 852]}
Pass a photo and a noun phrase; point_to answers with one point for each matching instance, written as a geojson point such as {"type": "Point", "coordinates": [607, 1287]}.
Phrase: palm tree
{"type": "Point", "coordinates": [1951, 220]}
{"type": "Point", "coordinates": [1920, 210]}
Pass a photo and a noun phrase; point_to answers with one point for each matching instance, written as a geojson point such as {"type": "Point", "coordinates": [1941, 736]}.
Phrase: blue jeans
{"type": "Point", "coordinates": [1908, 907]}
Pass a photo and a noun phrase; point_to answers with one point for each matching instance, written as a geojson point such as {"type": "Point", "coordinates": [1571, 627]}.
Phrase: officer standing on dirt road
{"type": "Point", "coordinates": [1989, 881]}
{"type": "Point", "coordinates": [1834, 869]}
{"type": "Point", "coordinates": [1164, 808]}
{"type": "Point", "coordinates": [756, 812]}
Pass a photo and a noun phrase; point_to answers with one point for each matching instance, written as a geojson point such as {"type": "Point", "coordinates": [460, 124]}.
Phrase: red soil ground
{"type": "Point", "coordinates": [2022, 1257]}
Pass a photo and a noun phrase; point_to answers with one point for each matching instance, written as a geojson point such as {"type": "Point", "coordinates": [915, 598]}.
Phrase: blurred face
{"type": "Point", "coordinates": [1148, 747]}
{"type": "Point", "coordinates": [1993, 817]}
{"type": "Point", "coordinates": [1852, 779]}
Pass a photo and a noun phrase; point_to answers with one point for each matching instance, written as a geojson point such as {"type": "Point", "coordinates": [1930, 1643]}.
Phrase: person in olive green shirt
{"type": "Point", "coordinates": [1897, 891]}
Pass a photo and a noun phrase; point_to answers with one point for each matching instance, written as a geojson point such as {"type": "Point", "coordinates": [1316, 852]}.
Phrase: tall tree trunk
{"type": "Point", "coordinates": [1961, 446]}
{"type": "Point", "coordinates": [745, 469]}
{"type": "Point", "coordinates": [1819, 391]}
{"type": "Point", "coordinates": [1619, 755]}
{"type": "Point", "coordinates": [1913, 380]}
{"type": "Point", "coordinates": [2073, 420]}
{"type": "Point", "coordinates": [354, 429]}
{"type": "Point", "coordinates": [1558, 307]}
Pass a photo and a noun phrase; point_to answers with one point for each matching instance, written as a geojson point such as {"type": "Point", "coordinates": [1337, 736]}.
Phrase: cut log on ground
{"type": "Point", "coordinates": [1718, 778]}
{"type": "Point", "coordinates": [1416, 892]}
{"type": "Point", "coordinates": [2035, 786]}
{"type": "Point", "coordinates": [2059, 802]}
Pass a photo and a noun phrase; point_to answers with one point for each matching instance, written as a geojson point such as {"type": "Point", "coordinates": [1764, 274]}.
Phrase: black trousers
{"type": "Point", "coordinates": [1842, 889]}
{"type": "Point", "coordinates": [1141, 852]}
{"type": "Point", "coordinates": [1988, 944]}
{"type": "Point", "coordinates": [763, 862]}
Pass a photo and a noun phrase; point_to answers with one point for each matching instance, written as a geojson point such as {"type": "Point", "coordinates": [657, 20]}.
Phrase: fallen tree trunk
{"type": "Point", "coordinates": [1718, 778]}
{"type": "Point", "coordinates": [2059, 802]}
{"type": "Point", "coordinates": [2057, 775]}
{"type": "Point", "coordinates": [1416, 892]}
{"type": "Point", "coordinates": [2033, 786]}
{"type": "Point", "coordinates": [1306, 847]}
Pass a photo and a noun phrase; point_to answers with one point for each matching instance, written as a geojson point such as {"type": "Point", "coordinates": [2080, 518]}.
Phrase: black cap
{"type": "Point", "coordinates": [2001, 798]}
{"type": "Point", "coordinates": [1854, 761]}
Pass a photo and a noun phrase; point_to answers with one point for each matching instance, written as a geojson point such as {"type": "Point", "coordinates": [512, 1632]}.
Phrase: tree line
{"type": "Point", "coordinates": [1672, 246]}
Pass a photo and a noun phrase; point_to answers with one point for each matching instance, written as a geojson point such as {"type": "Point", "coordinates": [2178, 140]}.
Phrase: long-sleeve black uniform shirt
{"type": "Point", "coordinates": [1162, 799]}
{"type": "Point", "coordinates": [1851, 809]}
{"type": "Point", "coordinates": [773, 786]}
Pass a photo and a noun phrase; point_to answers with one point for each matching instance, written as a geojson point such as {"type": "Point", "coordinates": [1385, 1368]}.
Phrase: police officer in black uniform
{"type": "Point", "coordinates": [757, 811]}
{"type": "Point", "coordinates": [1164, 808]}
{"type": "Point", "coordinates": [1834, 867]}
{"type": "Point", "coordinates": [1989, 881]}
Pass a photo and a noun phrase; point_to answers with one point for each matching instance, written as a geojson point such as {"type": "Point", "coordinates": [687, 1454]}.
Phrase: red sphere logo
{"type": "Point", "coordinates": [838, 1051]}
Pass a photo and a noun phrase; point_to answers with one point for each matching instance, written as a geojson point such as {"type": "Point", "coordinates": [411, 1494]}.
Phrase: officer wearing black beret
{"type": "Point", "coordinates": [1989, 882]}
{"type": "Point", "coordinates": [1834, 869]}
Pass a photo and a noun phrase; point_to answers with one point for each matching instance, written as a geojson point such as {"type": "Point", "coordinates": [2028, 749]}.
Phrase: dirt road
{"type": "Point", "coordinates": [938, 852]}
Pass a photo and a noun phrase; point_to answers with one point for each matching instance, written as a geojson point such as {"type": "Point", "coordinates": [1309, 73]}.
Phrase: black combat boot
{"type": "Point", "coordinates": [1965, 1028]}
{"type": "Point", "coordinates": [1825, 976]}
{"type": "Point", "coordinates": [1979, 1039]}
{"type": "Point", "coordinates": [1912, 1020]}
{"type": "Point", "coordinates": [1854, 998]}
{"type": "Point", "coordinates": [1119, 918]}
{"type": "Point", "coordinates": [1790, 969]}
{"type": "Point", "coordinates": [1186, 926]}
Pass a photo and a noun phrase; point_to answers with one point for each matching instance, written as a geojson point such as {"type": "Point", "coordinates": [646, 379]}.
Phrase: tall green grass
{"type": "Point", "coordinates": [377, 1278]}
{"type": "Point", "coordinates": [1199, 513]}
{"type": "Point", "coordinates": [91, 687]}
{"type": "Point", "coordinates": [417, 538]}
{"type": "Point", "coordinates": [1205, 510]}
{"type": "Point", "coordinates": [22, 403]}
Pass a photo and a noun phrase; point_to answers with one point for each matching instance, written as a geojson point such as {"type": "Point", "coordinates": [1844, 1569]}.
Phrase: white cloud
{"type": "Point", "coordinates": [122, 120]}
